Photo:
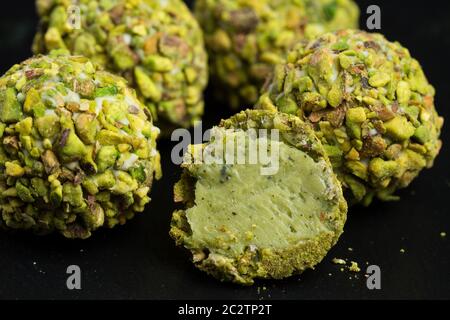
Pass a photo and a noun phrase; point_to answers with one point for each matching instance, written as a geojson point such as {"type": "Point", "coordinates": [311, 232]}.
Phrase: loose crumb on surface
{"type": "Point", "coordinates": [354, 267]}
{"type": "Point", "coordinates": [402, 250]}
{"type": "Point", "coordinates": [338, 261]}
{"type": "Point", "coordinates": [350, 249]}
{"type": "Point", "coordinates": [443, 234]}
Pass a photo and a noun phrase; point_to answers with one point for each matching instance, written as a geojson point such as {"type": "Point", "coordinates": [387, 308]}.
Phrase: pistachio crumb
{"type": "Point", "coordinates": [339, 261]}
{"type": "Point", "coordinates": [354, 267]}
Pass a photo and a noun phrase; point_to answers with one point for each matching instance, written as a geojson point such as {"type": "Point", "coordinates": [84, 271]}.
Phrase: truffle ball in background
{"type": "Point", "coordinates": [77, 149]}
{"type": "Point", "coordinates": [156, 45]}
{"type": "Point", "coordinates": [246, 38]}
{"type": "Point", "coordinates": [370, 104]}
{"type": "Point", "coordinates": [241, 223]}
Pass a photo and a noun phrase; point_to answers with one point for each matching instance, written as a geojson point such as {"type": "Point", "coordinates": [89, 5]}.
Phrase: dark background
{"type": "Point", "coordinates": [140, 261]}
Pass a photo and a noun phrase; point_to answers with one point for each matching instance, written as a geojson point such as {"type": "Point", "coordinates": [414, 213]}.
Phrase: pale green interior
{"type": "Point", "coordinates": [236, 206]}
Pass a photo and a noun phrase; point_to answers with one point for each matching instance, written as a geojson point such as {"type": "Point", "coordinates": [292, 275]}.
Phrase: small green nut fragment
{"type": "Point", "coordinates": [55, 190]}
{"type": "Point", "coordinates": [399, 128]}
{"type": "Point", "coordinates": [50, 161]}
{"type": "Point", "coordinates": [58, 19]}
{"type": "Point", "coordinates": [106, 157]}
{"type": "Point", "coordinates": [105, 91]}
{"type": "Point", "coordinates": [53, 39]}
{"type": "Point", "coordinates": [32, 99]}
{"type": "Point", "coordinates": [94, 217]}
{"type": "Point", "coordinates": [2, 129]}
{"type": "Point", "coordinates": [403, 92]}
{"type": "Point", "coordinates": [287, 105]}
{"type": "Point", "coordinates": [71, 147]}
{"type": "Point", "coordinates": [379, 79]}
{"type": "Point", "coordinates": [138, 173]}
{"type": "Point", "coordinates": [345, 61]}
{"type": "Point", "coordinates": [72, 194]}
{"type": "Point", "coordinates": [124, 183]}
{"type": "Point", "coordinates": [85, 44]}
{"type": "Point", "coordinates": [357, 168]}
{"type": "Point", "coordinates": [39, 187]}
{"type": "Point", "coordinates": [10, 108]}
{"type": "Point", "coordinates": [356, 115]}
{"type": "Point", "coordinates": [422, 134]}
{"type": "Point", "coordinates": [48, 126]}
{"type": "Point", "coordinates": [357, 188]}
{"type": "Point", "coordinates": [108, 137]}
{"type": "Point", "coordinates": [105, 180]}
{"type": "Point", "coordinates": [146, 85]}
{"type": "Point", "coordinates": [24, 127]}
{"type": "Point", "coordinates": [24, 193]}
{"type": "Point", "coordinates": [382, 169]}
{"type": "Point", "coordinates": [158, 63]}
{"type": "Point", "coordinates": [13, 169]}
{"type": "Point", "coordinates": [86, 127]}
{"type": "Point", "coordinates": [354, 118]}
{"type": "Point", "coordinates": [123, 57]}
{"type": "Point", "coordinates": [221, 41]}
{"type": "Point", "coordinates": [334, 96]}
{"type": "Point", "coordinates": [334, 152]}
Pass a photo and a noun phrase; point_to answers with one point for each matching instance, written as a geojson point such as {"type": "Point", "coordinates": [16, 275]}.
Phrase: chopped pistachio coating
{"type": "Point", "coordinates": [78, 149]}
{"type": "Point", "coordinates": [369, 103]}
{"type": "Point", "coordinates": [156, 45]}
{"type": "Point", "coordinates": [246, 38]}
{"type": "Point", "coordinates": [239, 224]}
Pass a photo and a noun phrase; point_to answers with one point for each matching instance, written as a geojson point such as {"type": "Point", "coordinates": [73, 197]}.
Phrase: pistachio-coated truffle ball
{"type": "Point", "coordinates": [246, 38]}
{"type": "Point", "coordinates": [77, 148]}
{"type": "Point", "coordinates": [369, 102]}
{"type": "Point", "coordinates": [156, 45]}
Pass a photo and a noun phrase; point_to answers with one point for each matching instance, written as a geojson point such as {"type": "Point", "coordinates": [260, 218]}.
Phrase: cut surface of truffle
{"type": "Point", "coordinates": [246, 221]}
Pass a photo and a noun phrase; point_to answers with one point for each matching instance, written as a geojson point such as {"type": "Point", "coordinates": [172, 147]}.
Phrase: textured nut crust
{"type": "Point", "coordinates": [267, 262]}
{"type": "Point", "coordinates": [245, 39]}
{"type": "Point", "coordinates": [369, 103]}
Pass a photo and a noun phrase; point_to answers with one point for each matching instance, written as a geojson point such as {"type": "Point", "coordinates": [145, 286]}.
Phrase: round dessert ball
{"type": "Point", "coordinates": [370, 104]}
{"type": "Point", "coordinates": [156, 45]}
{"type": "Point", "coordinates": [245, 39]}
{"type": "Point", "coordinates": [78, 149]}
{"type": "Point", "coordinates": [241, 221]}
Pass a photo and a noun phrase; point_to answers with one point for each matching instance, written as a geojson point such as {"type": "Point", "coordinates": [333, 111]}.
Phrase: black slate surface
{"type": "Point", "coordinates": [140, 261]}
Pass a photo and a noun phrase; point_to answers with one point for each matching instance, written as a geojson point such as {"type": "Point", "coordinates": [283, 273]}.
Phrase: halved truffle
{"type": "Point", "coordinates": [254, 220]}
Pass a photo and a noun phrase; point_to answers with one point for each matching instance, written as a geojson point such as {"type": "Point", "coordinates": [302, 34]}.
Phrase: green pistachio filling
{"type": "Point", "coordinates": [156, 45]}
{"type": "Point", "coordinates": [237, 206]}
{"type": "Point", "coordinates": [245, 39]}
{"type": "Point", "coordinates": [78, 151]}
{"type": "Point", "coordinates": [370, 104]}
